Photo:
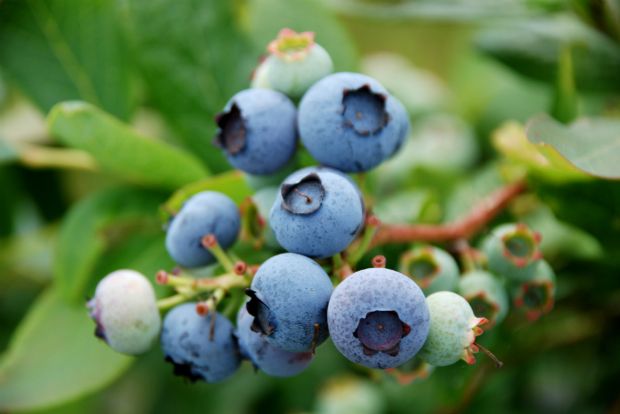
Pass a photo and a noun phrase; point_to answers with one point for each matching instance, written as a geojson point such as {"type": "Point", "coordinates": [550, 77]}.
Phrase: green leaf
{"type": "Point", "coordinates": [533, 47]}
{"type": "Point", "coordinates": [591, 145]}
{"type": "Point", "coordinates": [91, 226]}
{"type": "Point", "coordinates": [8, 153]}
{"type": "Point", "coordinates": [59, 50]}
{"type": "Point", "coordinates": [54, 357]}
{"type": "Point", "coordinates": [192, 71]}
{"type": "Point", "coordinates": [267, 17]}
{"type": "Point", "coordinates": [565, 99]}
{"type": "Point", "coordinates": [431, 10]}
{"type": "Point", "coordinates": [562, 239]}
{"type": "Point", "coordinates": [404, 207]}
{"type": "Point", "coordinates": [120, 150]}
{"type": "Point", "coordinates": [511, 140]}
{"type": "Point", "coordinates": [231, 183]}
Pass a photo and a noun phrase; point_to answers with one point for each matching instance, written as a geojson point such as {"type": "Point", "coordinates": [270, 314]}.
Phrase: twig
{"type": "Point", "coordinates": [463, 228]}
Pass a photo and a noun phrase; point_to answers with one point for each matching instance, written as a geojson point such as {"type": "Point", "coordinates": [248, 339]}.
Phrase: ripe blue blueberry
{"type": "Point", "coordinates": [318, 212]}
{"type": "Point", "coordinates": [433, 269]}
{"type": "Point", "coordinates": [378, 318]}
{"type": "Point", "coordinates": [288, 300]}
{"type": "Point", "coordinates": [486, 295]}
{"type": "Point", "coordinates": [257, 130]}
{"type": "Point", "coordinates": [453, 332]}
{"type": "Point", "coordinates": [200, 347]}
{"type": "Point", "coordinates": [348, 121]}
{"type": "Point", "coordinates": [125, 312]}
{"type": "Point", "coordinates": [512, 251]}
{"type": "Point", "coordinates": [266, 357]}
{"type": "Point", "coordinates": [205, 213]}
{"type": "Point", "coordinates": [294, 63]}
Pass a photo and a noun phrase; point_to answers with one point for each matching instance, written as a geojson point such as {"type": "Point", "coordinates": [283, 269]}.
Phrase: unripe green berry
{"type": "Point", "coordinates": [512, 251]}
{"type": "Point", "coordinates": [125, 311]}
{"type": "Point", "coordinates": [433, 269]}
{"type": "Point", "coordinates": [295, 62]}
{"type": "Point", "coordinates": [486, 295]}
{"type": "Point", "coordinates": [536, 295]}
{"type": "Point", "coordinates": [453, 330]}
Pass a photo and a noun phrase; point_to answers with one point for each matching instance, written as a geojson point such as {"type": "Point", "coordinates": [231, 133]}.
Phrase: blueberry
{"type": "Point", "coordinates": [257, 131]}
{"type": "Point", "coordinates": [431, 268]}
{"type": "Point", "coordinates": [318, 212]}
{"type": "Point", "coordinates": [453, 331]}
{"type": "Point", "coordinates": [348, 121]}
{"type": "Point", "coordinates": [208, 212]}
{"type": "Point", "coordinates": [125, 312]}
{"type": "Point", "coordinates": [378, 318]}
{"type": "Point", "coordinates": [200, 347]}
{"type": "Point", "coordinates": [486, 295]}
{"type": "Point", "coordinates": [289, 296]}
{"type": "Point", "coordinates": [512, 251]}
{"type": "Point", "coordinates": [266, 357]}
{"type": "Point", "coordinates": [294, 63]}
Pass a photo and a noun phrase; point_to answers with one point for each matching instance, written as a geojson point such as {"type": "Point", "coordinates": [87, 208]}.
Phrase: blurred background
{"type": "Point", "coordinates": [471, 73]}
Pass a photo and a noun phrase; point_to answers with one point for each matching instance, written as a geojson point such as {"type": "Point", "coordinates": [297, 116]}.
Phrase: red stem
{"type": "Point", "coordinates": [463, 228]}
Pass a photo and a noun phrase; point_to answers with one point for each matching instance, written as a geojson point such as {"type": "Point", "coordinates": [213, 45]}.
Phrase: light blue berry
{"type": "Point", "coordinates": [266, 357]}
{"type": "Point", "coordinates": [289, 296]}
{"type": "Point", "coordinates": [199, 347]}
{"type": "Point", "coordinates": [317, 213]}
{"type": "Point", "coordinates": [348, 121]}
{"type": "Point", "coordinates": [205, 213]}
{"type": "Point", "coordinates": [257, 130]}
{"type": "Point", "coordinates": [378, 318]}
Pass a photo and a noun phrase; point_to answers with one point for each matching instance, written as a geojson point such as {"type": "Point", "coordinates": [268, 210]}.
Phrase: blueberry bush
{"type": "Point", "coordinates": [319, 206]}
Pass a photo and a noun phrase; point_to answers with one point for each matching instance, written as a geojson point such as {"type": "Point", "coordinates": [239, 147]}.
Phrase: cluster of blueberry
{"type": "Point", "coordinates": [376, 317]}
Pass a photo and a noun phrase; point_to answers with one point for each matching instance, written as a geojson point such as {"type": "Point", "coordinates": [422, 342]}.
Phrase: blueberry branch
{"type": "Point", "coordinates": [463, 228]}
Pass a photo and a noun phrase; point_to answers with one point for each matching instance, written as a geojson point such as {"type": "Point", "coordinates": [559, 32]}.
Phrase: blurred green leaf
{"type": "Point", "coordinates": [591, 145]}
{"type": "Point", "coordinates": [532, 48]}
{"type": "Point", "coordinates": [120, 150]}
{"type": "Point", "coordinates": [471, 190]}
{"type": "Point", "coordinates": [562, 239]}
{"type": "Point", "coordinates": [54, 357]}
{"type": "Point", "coordinates": [564, 106]}
{"type": "Point", "coordinates": [510, 140]}
{"type": "Point", "coordinates": [192, 70]}
{"type": "Point", "coordinates": [90, 227]}
{"type": "Point", "coordinates": [431, 10]}
{"type": "Point", "coordinates": [267, 17]}
{"type": "Point", "coordinates": [231, 183]}
{"type": "Point", "coordinates": [8, 153]}
{"type": "Point", "coordinates": [59, 50]}
{"type": "Point", "coordinates": [403, 207]}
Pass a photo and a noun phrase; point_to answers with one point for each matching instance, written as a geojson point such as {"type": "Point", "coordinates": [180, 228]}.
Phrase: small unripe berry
{"type": "Point", "coordinates": [536, 296]}
{"type": "Point", "coordinates": [125, 311]}
{"type": "Point", "coordinates": [431, 268]}
{"type": "Point", "coordinates": [486, 295]}
{"type": "Point", "coordinates": [453, 330]}
{"type": "Point", "coordinates": [294, 63]}
{"type": "Point", "coordinates": [512, 251]}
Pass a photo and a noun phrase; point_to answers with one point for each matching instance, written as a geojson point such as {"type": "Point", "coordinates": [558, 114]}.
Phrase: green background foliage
{"type": "Point", "coordinates": [106, 123]}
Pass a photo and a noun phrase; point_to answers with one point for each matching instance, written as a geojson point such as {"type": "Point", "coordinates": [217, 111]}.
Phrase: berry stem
{"type": "Point", "coordinates": [172, 301]}
{"type": "Point", "coordinates": [498, 363]}
{"type": "Point", "coordinates": [210, 242]}
{"type": "Point", "coordinates": [372, 224]}
{"type": "Point", "coordinates": [464, 228]}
